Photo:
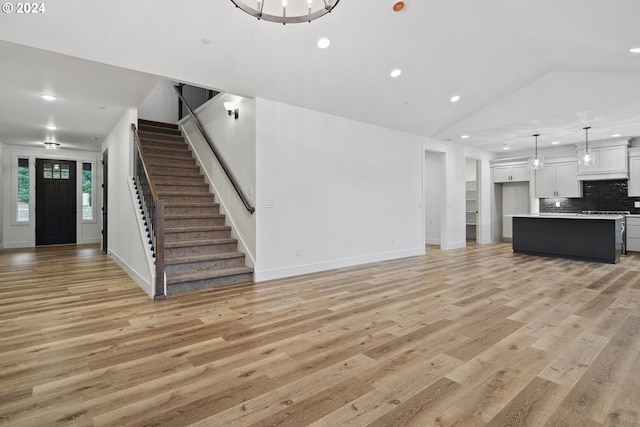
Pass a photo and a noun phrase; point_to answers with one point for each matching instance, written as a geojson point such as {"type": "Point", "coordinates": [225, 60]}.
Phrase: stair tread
{"type": "Point", "coordinates": [207, 274]}
{"type": "Point", "coordinates": [186, 259]}
{"type": "Point", "coordinates": [202, 242]}
{"type": "Point", "coordinates": [190, 229]}
{"type": "Point", "coordinates": [168, 153]}
{"type": "Point", "coordinates": [193, 216]}
{"type": "Point", "coordinates": [183, 193]}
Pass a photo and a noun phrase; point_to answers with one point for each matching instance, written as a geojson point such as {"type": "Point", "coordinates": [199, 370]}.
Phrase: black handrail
{"type": "Point", "coordinates": [225, 167]}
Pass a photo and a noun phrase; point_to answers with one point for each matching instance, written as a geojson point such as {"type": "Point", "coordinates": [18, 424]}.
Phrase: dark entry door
{"type": "Point", "coordinates": [105, 180]}
{"type": "Point", "coordinates": [55, 202]}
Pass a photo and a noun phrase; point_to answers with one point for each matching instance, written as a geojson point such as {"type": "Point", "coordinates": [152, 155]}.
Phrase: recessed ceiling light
{"type": "Point", "coordinates": [102, 108]}
{"type": "Point", "coordinates": [635, 50]}
{"type": "Point", "coordinates": [206, 40]}
{"type": "Point", "coordinates": [51, 127]}
{"type": "Point", "coordinates": [455, 98]}
{"type": "Point", "coordinates": [505, 147]}
{"type": "Point", "coordinates": [615, 135]}
{"type": "Point", "coordinates": [95, 138]}
{"type": "Point", "coordinates": [324, 43]}
{"type": "Point", "coordinates": [396, 72]}
{"type": "Point", "coordinates": [48, 97]}
{"type": "Point", "coordinates": [464, 136]}
{"type": "Point", "coordinates": [555, 143]}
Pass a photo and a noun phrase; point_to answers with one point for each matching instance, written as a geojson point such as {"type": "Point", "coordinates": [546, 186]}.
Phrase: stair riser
{"type": "Point", "coordinates": [189, 198]}
{"type": "Point", "coordinates": [197, 250]}
{"type": "Point", "coordinates": [160, 136]}
{"type": "Point", "coordinates": [191, 181]}
{"type": "Point", "coordinates": [174, 289]}
{"type": "Point", "coordinates": [194, 267]}
{"type": "Point", "coordinates": [157, 129]}
{"type": "Point", "coordinates": [165, 125]}
{"type": "Point", "coordinates": [204, 222]}
{"type": "Point", "coordinates": [169, 170]}
{"type": "Point", "coordinates": [156, 163]}
{"type": "Point", "coordinates": [204, 189]}
{"type": "Point", "coordinates": [151, 144]}
{"type": "Point", "coordinates": [195, 210]}
{"type": "Point", "coordinates": [166, 153]}
{"type": "Point", "coordinates": [197, 235]}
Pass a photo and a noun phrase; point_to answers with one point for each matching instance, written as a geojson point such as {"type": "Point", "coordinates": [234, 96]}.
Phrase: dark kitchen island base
{"type": "Point", "coordinates": [590, 238]}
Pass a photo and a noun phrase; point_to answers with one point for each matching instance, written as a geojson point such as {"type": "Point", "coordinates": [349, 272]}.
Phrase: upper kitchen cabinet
{"type": "Point", "coordinates": [609, 160]}
{"type": "Point", "coordinates": [634, 172]}
{"type": "Point", "coordinates": [510, 171]}
{"type": "Point", "coordinates": [558, 178]}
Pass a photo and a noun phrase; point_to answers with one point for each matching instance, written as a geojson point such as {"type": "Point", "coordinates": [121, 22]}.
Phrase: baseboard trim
{"type": "Point", "coordinates": [432, 242]}
{"type": "Point", "coordinates": [141, 281]}
{"type": "Point", "coordinates": [280, 273]}
{"type": "Point", "coordinates": [454, 245]}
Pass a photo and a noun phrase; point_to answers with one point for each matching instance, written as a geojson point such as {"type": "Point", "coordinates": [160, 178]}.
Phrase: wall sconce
{"type": "Point", "coordinates": [232, 109]}
{"type": "Point", "coordinates": [51, 145]}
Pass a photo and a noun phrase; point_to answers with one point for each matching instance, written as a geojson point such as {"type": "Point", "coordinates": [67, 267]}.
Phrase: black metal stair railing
{"type": "Point", "coordinates": [152, 208]}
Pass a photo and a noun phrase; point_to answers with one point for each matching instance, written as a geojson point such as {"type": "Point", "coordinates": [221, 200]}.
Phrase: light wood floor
{"type": "Point", "coordinates": [468, 337]}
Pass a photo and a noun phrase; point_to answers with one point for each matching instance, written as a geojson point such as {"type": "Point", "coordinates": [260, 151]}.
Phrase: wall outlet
{"type": "Point", "coordinates": [268, 203]}
{"type": "Point", "coordinates": [298, 252]}
{"type": "Point", "coordinates": [636, 204]}
{"type": "Point", "coordinates": [557, 204]}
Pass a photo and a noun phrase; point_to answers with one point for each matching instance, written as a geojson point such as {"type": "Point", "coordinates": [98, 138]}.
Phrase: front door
{"type": "Point", "coordinates": [55, 202]}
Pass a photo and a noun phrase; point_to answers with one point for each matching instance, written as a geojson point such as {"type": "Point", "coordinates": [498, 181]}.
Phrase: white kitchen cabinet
{"type": "Point", "coordinates": [633, 232]}
{"type": "Point", "coordinates": [515, 172]}
{"type": "Point", "coordinates": [558, 179]}
{"type": "Point", "coordinates": [634, 172]}
{"type": "Point", "coordinates": [609, 161]}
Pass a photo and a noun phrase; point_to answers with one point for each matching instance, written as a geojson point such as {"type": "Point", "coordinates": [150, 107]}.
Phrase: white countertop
{"type": "Point", "coordinates": [567, 216]}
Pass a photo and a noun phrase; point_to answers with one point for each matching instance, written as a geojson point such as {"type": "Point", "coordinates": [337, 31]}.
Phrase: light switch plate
{"type": "Point", "coordinates": [557, 204]}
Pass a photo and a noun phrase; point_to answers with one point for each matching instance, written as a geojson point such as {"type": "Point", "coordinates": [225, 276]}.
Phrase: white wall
{"type": "Point", "coordinates": [236, 141]}
{"type": "Point", "coordinates": [342, 192]}
{"type": "Point", "coordinates": [470, 169]}
{"type": "Point", "coordinates": [161, 105]}
{"type": "Point", "coordinates": [23, 234]}
{"type": "Point", "coordinates": [2, 195]}
{"type": "Point", "coordinates": [433, 196]}
{"type": "Point", "coordinates": [125, 242]}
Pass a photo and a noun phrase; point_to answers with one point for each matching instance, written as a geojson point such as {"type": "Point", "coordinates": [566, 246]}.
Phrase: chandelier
{"type": "Point", "coordinates": [287, 11]}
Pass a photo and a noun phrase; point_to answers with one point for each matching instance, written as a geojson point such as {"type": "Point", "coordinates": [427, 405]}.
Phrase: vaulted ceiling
{"type": "Point", "coordinates": [520, 67]}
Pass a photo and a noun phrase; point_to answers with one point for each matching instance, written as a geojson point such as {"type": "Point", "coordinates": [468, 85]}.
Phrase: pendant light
{"type": "Point", "coordinates": [536, 162]}
{"type": "Point", "coordinates": [587, 158]}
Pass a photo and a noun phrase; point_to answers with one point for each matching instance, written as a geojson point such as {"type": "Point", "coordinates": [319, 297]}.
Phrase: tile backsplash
{"type": "Point", "coordinates": [596, 196]}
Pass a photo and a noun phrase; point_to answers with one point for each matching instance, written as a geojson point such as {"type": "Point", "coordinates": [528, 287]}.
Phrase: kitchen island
{"type": "Point", "coordinates": [586, 237]}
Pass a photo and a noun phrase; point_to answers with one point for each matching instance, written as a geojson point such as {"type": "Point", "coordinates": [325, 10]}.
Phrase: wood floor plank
{"type": "Point", "coordinates": [468, 337]}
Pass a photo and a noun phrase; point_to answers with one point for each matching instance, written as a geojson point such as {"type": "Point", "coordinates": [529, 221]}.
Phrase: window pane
{"type": "Point", "coordinates": [87, 193]}
{"type": "Point", "coordinates": [22, 213]}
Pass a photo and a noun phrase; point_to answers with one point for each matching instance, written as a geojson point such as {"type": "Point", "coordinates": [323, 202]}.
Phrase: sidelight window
{"type": "Point", "coordinates": [22, 207]}
{"type": "Point", "coordinates": [87, 192]}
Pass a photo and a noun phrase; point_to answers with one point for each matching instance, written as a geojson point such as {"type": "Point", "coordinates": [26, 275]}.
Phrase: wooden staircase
{"type": "Point", "coordinates": [199, 251]}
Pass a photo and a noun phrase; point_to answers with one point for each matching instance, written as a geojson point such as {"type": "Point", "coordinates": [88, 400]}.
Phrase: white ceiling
{"type": "Point", "coordinates": [520, 66]}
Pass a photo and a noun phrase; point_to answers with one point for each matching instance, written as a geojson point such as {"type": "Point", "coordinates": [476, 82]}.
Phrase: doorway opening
{"type": "Point", "coordinates": [434, 190]}
{"type": "Point", "coordinates": [105, 180]}
{"type": "Point", "coordinates": [471, 200]}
